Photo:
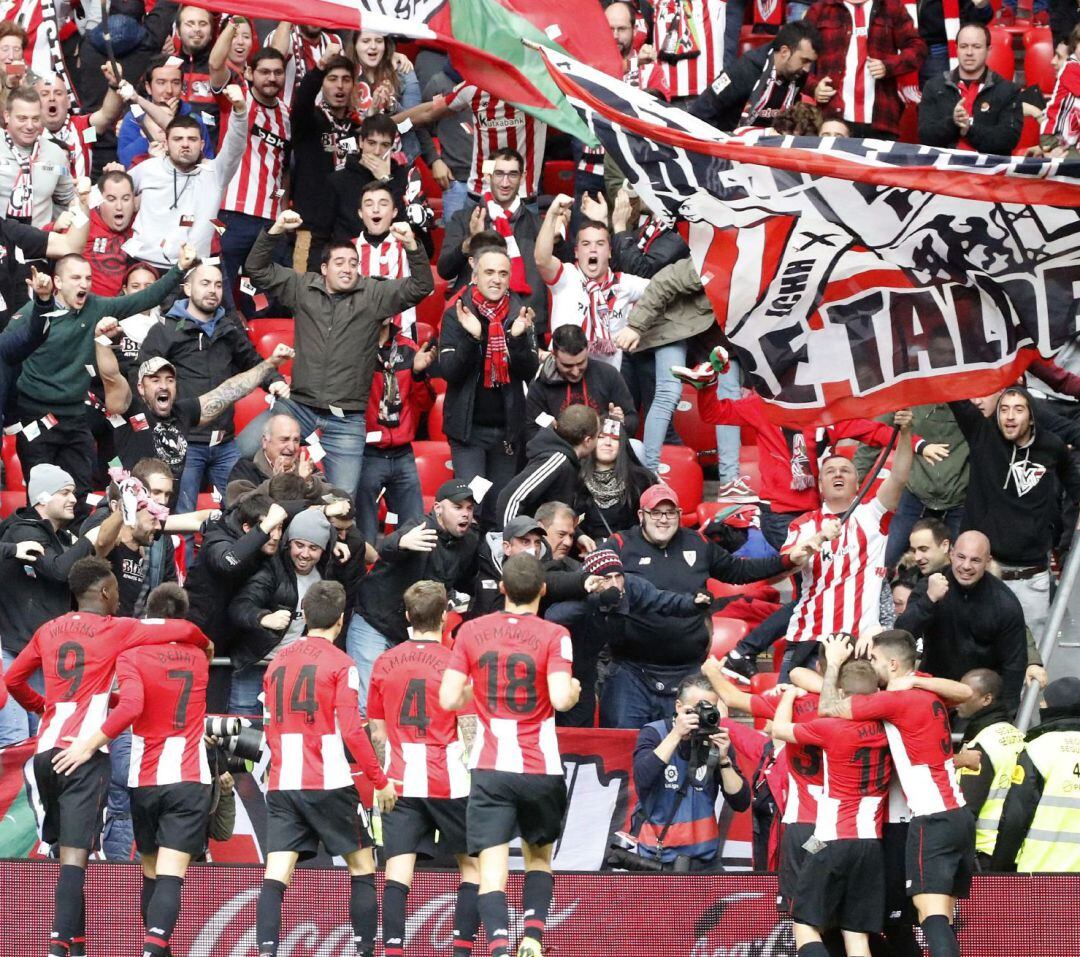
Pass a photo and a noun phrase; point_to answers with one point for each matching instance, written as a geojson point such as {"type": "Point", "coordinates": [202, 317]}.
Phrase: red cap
{"type": "Point", "coordinates": [655, 494]}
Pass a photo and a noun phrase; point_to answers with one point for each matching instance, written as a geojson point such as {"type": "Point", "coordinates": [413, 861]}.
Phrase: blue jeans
{"type": "Point", "coordinates": [454, 197]}
{"type": "Point", "coordinates": [398, 476]}
{"type": "Point", "coordinates": [727, 436]}
{"type": "Point", "coordinates": [342, 437]}
{"type": "Point", "coordinates": [907, 513]}
{"type": "Point", "coordinates": [665, 399]}
{"type": "Point", "coordinates": [118, 834]}
{"type": "Point", "coordinates": [629, 700]}
{"type": "Point", "coordinates": [241, 231]}
{"type": "Point", "coordinates": [17, 724]}
{"type": "Point", "coordinates": [244, 689]}
{"type": "Point", "coordinates": [364, 644]}
{"type": "Point", "coordinates": [216, 461]}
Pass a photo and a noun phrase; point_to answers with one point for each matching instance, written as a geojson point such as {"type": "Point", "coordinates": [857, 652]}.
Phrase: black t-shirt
{"type": "Point", "coordinates": [130, 569]}
{"type": "Point", "coordinates": [145, 435]}
{"type": "Point", "coordinates": [19, 244]}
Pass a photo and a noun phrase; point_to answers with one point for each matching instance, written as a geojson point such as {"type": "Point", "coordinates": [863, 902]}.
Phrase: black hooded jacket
{"type": "Point", "coordinates": [1013, 492]}
{"type": "Point", "coordinates": [602, 384]}
{"type": "Point", "coordinates": [551, 475]}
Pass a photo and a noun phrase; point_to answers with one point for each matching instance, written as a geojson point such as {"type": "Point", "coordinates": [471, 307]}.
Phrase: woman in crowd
{"type": "Point", "coordinates": [611, 484]}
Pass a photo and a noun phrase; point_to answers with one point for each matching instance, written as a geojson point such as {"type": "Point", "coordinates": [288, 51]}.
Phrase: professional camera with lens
{"type": "Point", "coordinates": [708, 721]}
{"type": "Point", "coordinates": [236, 742]}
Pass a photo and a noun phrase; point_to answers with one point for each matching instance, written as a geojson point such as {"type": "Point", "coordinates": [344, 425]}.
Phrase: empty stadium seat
{"type": "Point", "coordinates": [726, 634]}
{"type": "Point", "coordinates": [557, 177]}
{"type": "Point", "coordinates": [268, 337]}
{"type": "Point", "coordinates": [1029, 136]}
{"type": "Point", "coordinates": [680, 470]}
{"type": "Point", "coordinates": [248, 408]}
{"type": "Point", "coordinates": [435, 419]}
{"type": "Point", "coordinates": [433, 466]}
{"type": "Point", "coordinates": [422, 333]}
{"type": "Point", "coordinates": [13, 473]}
{"type": "Point", "coordinates": [1038, 55]}
{"type": "Point", "coordinates": [431, 309]}
{"type": "Point", "coordinates": [909, 124]}
{"type": "Point", "coordinates": [1002, 59]}
{"type": "Point", "coordinates": [10, 502]}
{"type": "Point", "coordinates": [698, 435]}
{"type": "Point", "coordinates": [761, 682]}
{"type": "Point", "coordinates": [257, 328]}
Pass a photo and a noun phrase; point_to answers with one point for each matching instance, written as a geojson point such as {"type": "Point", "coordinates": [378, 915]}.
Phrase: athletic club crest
{"type": "Point", "coordinates": [690, 557]}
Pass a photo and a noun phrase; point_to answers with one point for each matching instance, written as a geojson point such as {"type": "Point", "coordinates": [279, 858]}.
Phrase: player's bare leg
{"type": "Point", "coordinates": [935, 917]}
{"type": "Point", "coordinates": [363, 900]}
{"type": "Point", "coordinates": [855, 944]}
{"type": "Point", "coordinates": [70, 906]}
{"type": "Point", "coordinates": [169, 868]}
{"type": "Point", "coordinates": [808, 941]}
{"type": "Point", "coordinates": [535, 897]}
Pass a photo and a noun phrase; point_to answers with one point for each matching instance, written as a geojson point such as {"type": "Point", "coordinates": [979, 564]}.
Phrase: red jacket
{"type": "Point", "coordinates": [417, 396]}
{"type": "Point", "coordinates": [774, 453]}
{"type": "Point", "coordinates": [892, 38]}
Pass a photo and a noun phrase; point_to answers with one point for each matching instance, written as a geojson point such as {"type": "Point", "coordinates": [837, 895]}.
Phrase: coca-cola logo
{"type": "Point", "coordinates": [230, 930]}
{"type": "Point", "coordinates": [722, 930]}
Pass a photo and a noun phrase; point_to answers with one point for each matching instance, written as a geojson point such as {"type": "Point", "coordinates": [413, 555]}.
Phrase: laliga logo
{"type": "Point", "coordinates": [716, 930]}
{"type": "Point", "coordinates": [432, 924]}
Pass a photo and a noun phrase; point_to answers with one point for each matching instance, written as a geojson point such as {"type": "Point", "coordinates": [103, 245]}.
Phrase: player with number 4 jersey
{"type": "Point", "coordinates": [162, 697]}
{"type": "Point", "coordinates": [312, 714]}
{"type": "Point", "coordinates": [519, 667]}
{"type": "Point", "coordinates": [425, 760]}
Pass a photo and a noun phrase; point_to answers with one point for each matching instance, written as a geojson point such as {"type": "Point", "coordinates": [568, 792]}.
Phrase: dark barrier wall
{"type": "Point", "coordinates": [593, 915]}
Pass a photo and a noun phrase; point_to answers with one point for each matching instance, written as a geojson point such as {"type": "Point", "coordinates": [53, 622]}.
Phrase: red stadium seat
{"type": "Point", "coordinates": [206, 500]}
{"type": "Point", "coordinates": [680, 470]}
{"type": "Point", "coordinates": [778, 650]}
{"type": "Point", "coordinates": [1038, 56]}
{"type": "Point", "coordinates": [557, 177]}
{"type": "Point", "coordinates": [433, 466]}
{"type": "Point", "coordinates": [422, 333]}
{"type": "Point", "coordinates": [761, 682]}
{"type": "Point", "coordinates": [248, 408]}
{"type": "Point", "coordinates": [748, 39]}
{"type": "Point", "coordinates": [13, 473]}
{"type": "Point", "coordinates": [435, 419]}
{"type": "Point", "coordinates": [1002, 59]}
{"type": "Point", "coordinates": [698, 435]}
{"type": "Point", "coordinates": [257, 328]}
{"type": "Point", "coordinates": [909, 124]}
{"type": "Point", "coordinates": [269, 338]}
{"type": "Point", "coordinates": [726, 634]}
{"type": "Point", "coordinates": [431, 309]}
{"type": "Point", "coordinates": [10, 502]}
{"type": "Point", "coordinates": [1029, 136]}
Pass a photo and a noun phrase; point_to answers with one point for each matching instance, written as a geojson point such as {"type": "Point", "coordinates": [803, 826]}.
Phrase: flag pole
{"type": "Point", "coordinates": [872, 474]}
{"type": "Point", "coordinates": [107, 37]}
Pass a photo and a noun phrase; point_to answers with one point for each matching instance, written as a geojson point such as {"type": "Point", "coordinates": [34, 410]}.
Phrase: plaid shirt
{"type": "Point", "coordinates": [892, 38]}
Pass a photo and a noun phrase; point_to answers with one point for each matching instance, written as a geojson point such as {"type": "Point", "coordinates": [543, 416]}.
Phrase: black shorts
{"type": "Point", "coordinates": [503, 805]}
{"type": "Point", "coordinates": [940, 855]}
{"type": "Point", "coordinates": [898, 906]}
{"type": "Point", "coordinates": [73, 804]}
{"type": "Point", "coordinates": [842, 885]}
{"type": "Point", "coordinates": [298, 820]}
{"type": "Point", "coordinates": [412, 826]}
{"type": "Point", "coordinates": [792, 855]}
{"type": "Point", "coordinates": [176, 816]}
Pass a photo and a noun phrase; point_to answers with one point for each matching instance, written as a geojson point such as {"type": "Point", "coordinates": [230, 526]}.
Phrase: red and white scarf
{"type": "Point", "coordinates": [501, 222]}
{"type": "Point", "coordinates": [602, 294]}
{"type": "Point", "coordinates": [21, 203]}
{"type": "Point", "coordinates": [951, 10]}
{"type": "Point", "coordinates": [496, 353]}
{"type": "Point", "coordinates": [387, 260]}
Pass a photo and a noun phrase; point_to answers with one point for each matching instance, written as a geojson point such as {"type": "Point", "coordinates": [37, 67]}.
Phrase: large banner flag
{"type": "Point", "coordinates": [854, 277]}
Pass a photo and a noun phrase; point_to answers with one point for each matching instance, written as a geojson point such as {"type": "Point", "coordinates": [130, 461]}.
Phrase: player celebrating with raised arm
{"type": "Point", "coordinates": [940, 854]}
{"type": "Point", "coordinates": [77, 653]}
{"type": "Point", "coordinates": [312, 714]}
{"type": "Point", "coordinates": [520, 669]}
{"type": "Point", "coordinates": [163, 699]}
{"type": "Point", "coordinates": [425, 760]}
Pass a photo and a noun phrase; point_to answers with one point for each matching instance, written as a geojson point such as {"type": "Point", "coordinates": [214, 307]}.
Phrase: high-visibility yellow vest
{"type": "Point", "coordinates": [1053, 839]}
{"type": "Point", "coordinates": [1000, 743]}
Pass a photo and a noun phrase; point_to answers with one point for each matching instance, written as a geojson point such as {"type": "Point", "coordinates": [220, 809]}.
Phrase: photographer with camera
{"type": "Point", "coordinates": [681, 766]}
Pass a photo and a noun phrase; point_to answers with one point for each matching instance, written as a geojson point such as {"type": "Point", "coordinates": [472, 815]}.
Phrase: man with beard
{"type": "Point", "coordinates": [191, 45]}
{"type": "Point", "coordinates": [303, 46]}
{"type": "Point", "coordinates": [180, 192]}
{"type": "Point", "coordinates": [55, 378]}
{"type": "Point", "coordinates": [253, 196]}
{"type": "Point", "coordinates": [205, 346]}
{"type": "Point", "coordinates": [586, 293]}
{"type": "Point", "coordinates": [152, 422]}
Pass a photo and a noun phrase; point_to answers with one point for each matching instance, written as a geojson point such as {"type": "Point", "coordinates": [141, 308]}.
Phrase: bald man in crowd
{"type": "Point", "coordinates": [967, 618]}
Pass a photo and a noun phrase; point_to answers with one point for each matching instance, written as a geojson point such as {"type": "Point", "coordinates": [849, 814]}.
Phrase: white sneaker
{"type": "Point", "coordinates": [737, 490]}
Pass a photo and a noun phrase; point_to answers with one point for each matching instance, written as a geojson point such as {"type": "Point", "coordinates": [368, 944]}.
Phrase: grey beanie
{"type": "Point", "coordinates": [45, 481]}
{"type": "Point", "coordinates": [310, 526]}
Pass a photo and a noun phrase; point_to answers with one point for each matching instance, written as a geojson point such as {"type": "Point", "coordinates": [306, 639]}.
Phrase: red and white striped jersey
{"type": "Point", "coordinates": [804, 760]}
{"type": "Point", "coordinates": [497, 124]}
{"type": "Point", "coordinates": [857, 91]}
{"type": "Point", "coordinates": [312, 712]}
{"type": "Point", "coordinates": [509, 657]}
{"type": "Point", "coordinates": [695, 30]}
{"type": "Point", "coordinates": [841, 583]}
{"type": "Point", "coordinates": [388, 260]}
{"type": "Point", "coordinates": [258, 186]}
{"type": "Point", "coordinates": [920, 740]}
{"type": "Point", "coordinates": [304, 56]}
{"type": "Point", "coordinates": [856, 775]}
{"type": "Point", "coordinates": [1063, 111]}
{"type": "Point", "coordinates": [163, 698]}
{"type": "Point", "coordinates": [424, 756]}
{"type": "Point", "coordinates": [76, 136]}
{"type": "Point", "coordinates": [77, 653]}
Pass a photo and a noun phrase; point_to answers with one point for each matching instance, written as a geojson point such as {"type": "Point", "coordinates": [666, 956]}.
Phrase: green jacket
{"type": "Point", "coordinates": [940, 486]}
{"type": "Point", "coordinates": [673, 307]}
{"type": "Point", "coordinates": [55, 377]}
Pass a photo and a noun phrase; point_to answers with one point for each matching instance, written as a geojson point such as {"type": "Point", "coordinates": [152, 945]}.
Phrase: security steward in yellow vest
{"type": "Point", "coordinates": [1039, 830]}
{"type": "Point", "coordinates": [989, 731]}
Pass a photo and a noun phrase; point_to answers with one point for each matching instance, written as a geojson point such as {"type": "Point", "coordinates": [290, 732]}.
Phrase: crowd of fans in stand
{"type": "Point", "coordinates": [219, 172]}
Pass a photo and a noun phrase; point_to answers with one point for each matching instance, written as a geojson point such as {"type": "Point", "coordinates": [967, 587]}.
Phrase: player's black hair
{"type": "Point", "coordinates": [522, 578]}
{"type": "Point", "coordinates": [569, 339]}
{"type": "Point", "coordinates": [88, 574]}
{"type": "Point", "coordinates": [323, 604]}
{"type": "Point", "coordinates": [168, 600]}
{"type": "Point", "coordinates": [897, 644]}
